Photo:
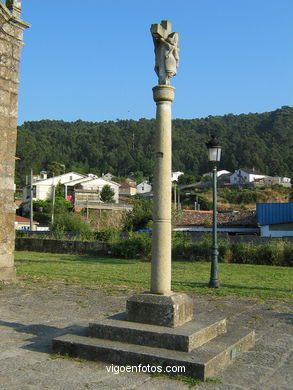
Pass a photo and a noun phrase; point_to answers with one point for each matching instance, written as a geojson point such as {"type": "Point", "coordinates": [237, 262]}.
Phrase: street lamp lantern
{"type": "Point", "coordinates": [214, 149]}
{"type": "Point", "coordinates": [214, 155]}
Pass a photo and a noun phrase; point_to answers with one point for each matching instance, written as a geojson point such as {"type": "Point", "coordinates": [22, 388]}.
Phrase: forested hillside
{"type": "Point", "coordinates": [263, 141]}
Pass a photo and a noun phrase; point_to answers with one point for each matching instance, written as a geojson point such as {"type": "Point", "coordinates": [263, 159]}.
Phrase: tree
{"type": "Point", "coordinates": [263, 141]}
{"type": "Point", "coordinates": [56, 168]}
{"type": "Point", "coordinates": [188, 179]}
{"type": "Point", "coordinates": [59, 190]}
{"type": "Point", "coordinates": [107, 194]}
{"type": "Point", "coordinates": [140, 217]}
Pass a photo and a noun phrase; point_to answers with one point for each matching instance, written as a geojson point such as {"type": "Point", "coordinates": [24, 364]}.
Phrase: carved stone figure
{"type": "Point", "coordinates": [166, 51]}
{"type": "Point", "coordinates": [14, 6]}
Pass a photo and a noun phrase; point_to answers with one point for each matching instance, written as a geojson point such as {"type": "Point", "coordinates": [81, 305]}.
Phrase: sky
{"type": "Point", "coordinates": [94, 59]}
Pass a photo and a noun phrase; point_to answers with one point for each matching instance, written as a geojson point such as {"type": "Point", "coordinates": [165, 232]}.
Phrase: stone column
{"type": "Point", "coordinates": [161, 242]}
{"type": "Point", "coordinates": [11, 32]}
{"type": "Point", "coordinates": [160, 306]}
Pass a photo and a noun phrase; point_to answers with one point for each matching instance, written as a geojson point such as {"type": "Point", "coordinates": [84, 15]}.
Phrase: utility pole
{"type": "Point", "coordinates": [31, 200]}
{"type": "Point", "coordinates": [87, 207]}
{"type": "Point", "coordinates": [53, 201]}
{"type": "Point", "coordinates": [175, 194]}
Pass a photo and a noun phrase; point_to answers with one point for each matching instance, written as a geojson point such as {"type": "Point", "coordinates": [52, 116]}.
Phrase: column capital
{"type": "Point", "coordinates": [164, 93]}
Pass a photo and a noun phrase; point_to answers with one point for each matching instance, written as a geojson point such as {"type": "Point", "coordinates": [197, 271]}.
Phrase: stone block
{"type": "Point", "coordinates": [4, 122]}
{"type": "Point", "coordinates": [165, 310]}
{"type": "Point", "coordinates": [7, 166]}
{"type": "Point", "coordinates": [4, 110]}
{"type": "Point", "coordinates": [5, 47]}
{"type": "Point", "coordinates": [5, 73]}
{"type": "Point", "coordinates": [203, 362]}
{"type": "Point", "coordinates": [7, 274]}
{"type": "Point", "coordinates": [4, 97]}
{"type": "Point", "coordinates": [6, 261]}
{"type": "Point", "coordinates": [8, 145]}
{"type": "Point", "coordinates": [16, 52]}
{"type": "Point", "coordinates": [187, 337]}
{"type": "Point", "coordinates": [6, 182]}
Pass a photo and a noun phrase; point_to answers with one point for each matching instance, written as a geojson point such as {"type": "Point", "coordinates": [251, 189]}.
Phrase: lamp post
{"type": "Point", "coordinates": [214, 155]}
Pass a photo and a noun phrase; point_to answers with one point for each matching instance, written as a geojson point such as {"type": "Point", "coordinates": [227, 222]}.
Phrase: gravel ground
{"type": "Point", "coordinates": [32, 314]}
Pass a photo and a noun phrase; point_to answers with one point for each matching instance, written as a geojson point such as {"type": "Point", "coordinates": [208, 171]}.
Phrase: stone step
{"type": "Point", "coordinates": [187, 337]}
{"type": "Point", "coordinates": [201, 363]}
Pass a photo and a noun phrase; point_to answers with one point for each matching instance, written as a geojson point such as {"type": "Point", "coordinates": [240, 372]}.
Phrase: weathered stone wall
{"type": "Point", "coordinates": [97, 248]}
{"type": "Point", "coordinates": [11, 32]}
{"type": "Point", "coordinates": [245, 238]}
{"type": "Point", "coordinates": [62, 246]}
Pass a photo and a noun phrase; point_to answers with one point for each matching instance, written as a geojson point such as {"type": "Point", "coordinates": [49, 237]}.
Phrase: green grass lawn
{"type": "Point", "coordinates": [265, 282]}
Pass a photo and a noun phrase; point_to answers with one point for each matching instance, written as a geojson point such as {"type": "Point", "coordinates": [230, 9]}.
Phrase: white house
{"type": "Point", "coordinates": [244, 176]}
{"type": "Point", "coordinates": [175, 175]}
{"type": "Point", "coordinates": [43, 189]}
{"type": "Point", "coordinates": [219, 173]}
{"type": "Point", "coordinates": [286, 180]}
{"type": "Point", "coordinates": [107, 176]}
{"type": "Point", "coordinates": [271, 180]}
{"type": "Point", "coordinates": [97, 184]}
{"type": "Point", "coordinates": [69, 186]}
{"type": "Point", "coordinates": [143, 187]}
{"type": "Point", "coordinates": [22, 223]}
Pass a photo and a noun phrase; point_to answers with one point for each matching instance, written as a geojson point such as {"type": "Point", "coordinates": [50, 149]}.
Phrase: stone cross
{"type": "Point", "coordinates": [163, 29]}
{"type": "Point", "coordinates": [161, 306]}
{"type": "Point", "coordinates": [166, 51]}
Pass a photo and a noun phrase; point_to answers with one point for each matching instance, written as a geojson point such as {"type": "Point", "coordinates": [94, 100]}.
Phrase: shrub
{"type": "Point", "coordinates": [243, 253]}
{"type": "Point", "coordinates": [180, 238]}
{"type": "Point", "coordinates": [22, 233]}
{"type": "Point", "coordinates": [273, 253]}
{"type": "Point", "coordinates": [288, 254]}
{"type": "Point", "coordinates": [138, 245]}
{"type": "Point", "coordinates": [71, 222]}
{"type": "Point", "coordinates": [225, 253]}
{"type": "Point", "coordinates": [193, 251]}
{"type": "Point", "coordinates": [244, 196]}
{"type": "Point", "coordinates": [183, 248]}
{"type": "Point", "coordinates": [140, 217]}
{"type": "Point", "coordinates": [59, 232]}
{"type": "Point", "coordinates": [108, 235]}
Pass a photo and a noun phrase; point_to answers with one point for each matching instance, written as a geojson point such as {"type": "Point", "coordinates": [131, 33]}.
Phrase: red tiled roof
{"type": "Point", "coordinates": [125, 184]}
{"type": "Point", "coordinates": [125, 198]}
{"type": "Point", "coordinates": [20, 219]}
{"type": "Point", "coordinates": [199, 211]}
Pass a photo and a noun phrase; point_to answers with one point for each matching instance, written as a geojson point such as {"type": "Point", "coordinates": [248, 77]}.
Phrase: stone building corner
{"type": "Point", "coordinates": [11, 42]}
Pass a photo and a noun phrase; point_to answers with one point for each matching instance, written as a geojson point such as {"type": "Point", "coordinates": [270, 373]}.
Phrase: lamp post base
{"type": "Point", "coordinates": [214, 283]}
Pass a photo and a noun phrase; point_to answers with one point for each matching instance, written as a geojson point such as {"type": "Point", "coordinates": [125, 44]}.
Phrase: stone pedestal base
{"type": "Point", "coordinates": [170, 310]}
{"type": "Point", "coordinates": [202, 346]}
{"type": "Point", "coordinates": [7, 275]}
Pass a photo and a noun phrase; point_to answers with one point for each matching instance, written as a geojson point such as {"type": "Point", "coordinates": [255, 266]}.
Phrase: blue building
{"type": "Point", "coordinates": [275, 219]}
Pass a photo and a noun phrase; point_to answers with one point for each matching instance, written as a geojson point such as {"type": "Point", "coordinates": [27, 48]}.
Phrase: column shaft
{"type": "Point", "coordinates": [161, 241]}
